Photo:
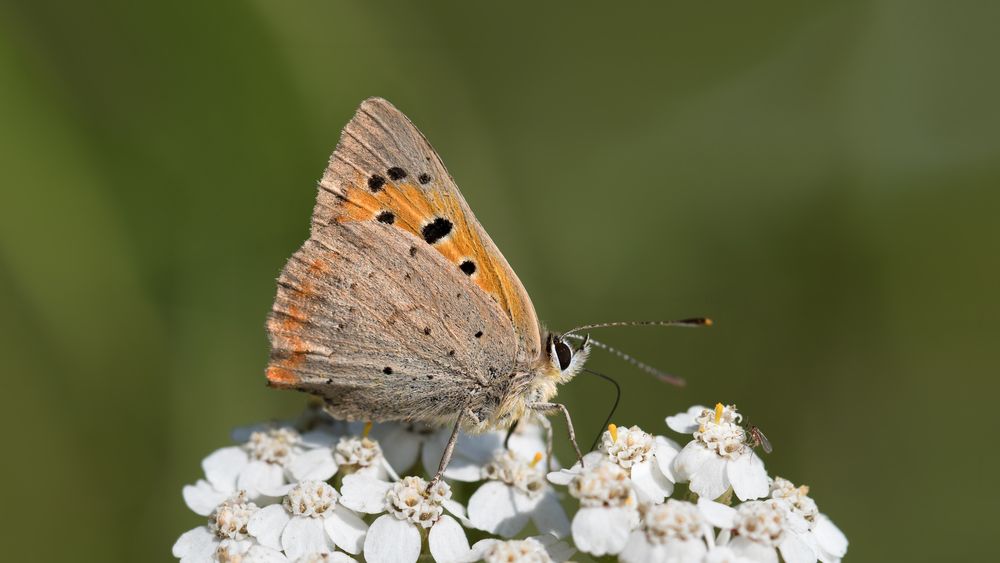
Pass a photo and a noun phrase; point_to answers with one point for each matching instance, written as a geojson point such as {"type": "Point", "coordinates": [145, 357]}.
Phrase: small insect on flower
{"type": "Point", "coordinates": [757, 438]}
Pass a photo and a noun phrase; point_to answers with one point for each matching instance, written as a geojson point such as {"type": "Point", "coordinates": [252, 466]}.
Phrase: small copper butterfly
{"type": "Point", "coordinates": [399, 307]}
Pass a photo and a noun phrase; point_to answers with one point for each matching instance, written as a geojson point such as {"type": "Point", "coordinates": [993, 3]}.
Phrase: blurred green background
{"type": "Point", "coordinates": [821, 178]}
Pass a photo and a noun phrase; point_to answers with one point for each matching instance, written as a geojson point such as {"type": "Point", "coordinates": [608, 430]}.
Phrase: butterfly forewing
{"type": "Point", "coordinates": [379, 311]}
{"type": "Point", "coordinates": [385, 170]}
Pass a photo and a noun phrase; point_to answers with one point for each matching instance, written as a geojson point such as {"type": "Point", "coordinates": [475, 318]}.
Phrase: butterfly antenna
{"type": "Point", "coordinates": [662, 376]}
{"type": "Point", "coordinates": [692, 322]}
{"type": "Point", "coordinates": [614, 407]}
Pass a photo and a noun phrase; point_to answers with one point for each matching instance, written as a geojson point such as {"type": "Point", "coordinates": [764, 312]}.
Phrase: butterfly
{"type": "Point", "coordinates": [399, 306]}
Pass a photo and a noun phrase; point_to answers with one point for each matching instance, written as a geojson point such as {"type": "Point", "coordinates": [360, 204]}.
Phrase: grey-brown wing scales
{"type": "Point", "coordinates": [384, 169]}
{"type": "Point", "coordinates": [383, 327]}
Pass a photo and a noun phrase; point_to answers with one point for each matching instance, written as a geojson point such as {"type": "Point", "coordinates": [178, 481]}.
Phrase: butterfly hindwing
{"type": "Point", "coordinates": [379, 328]}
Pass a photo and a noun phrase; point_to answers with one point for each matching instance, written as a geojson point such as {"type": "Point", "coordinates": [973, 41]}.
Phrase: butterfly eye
{"type": "Point", "coordinates": [564, 354]}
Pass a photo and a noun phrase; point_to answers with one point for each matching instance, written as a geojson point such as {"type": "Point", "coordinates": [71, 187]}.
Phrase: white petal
{"type": "Point", "coordinates": [526, 444]}
{"type": "Point", "coordinates": [259, 478]}
{"type": "Point", "coordinates": [471, 453]}
{"type": "Point", "coordinates": [710, 481]}
{"type": "Point", "coordinates": [314, 465]}
{"type": "Point", "coordinates": [492, 508]}
{"type": "Point", "coordinates": [338, 557]}
{"type": "Point", "coordinates": [601, 531]}
{"type": "Point", "coordinates": [319, 438]}
{"type": "Point", "coordinates": [457, 510]}
{"type": "Point", "coordinates": [400, 447]}
{"type": "Point", "coordinates": [267, 524]}
{"type": "Point", "coordinates": [753, 551]}
{"type": "Point", "coordinates": [363, 493]}
{"type": "Point", "coordinates": [479, 549]}
{"type": "Point", "coordinates": [222, 467]}
{"type": "Point", "coordinates": [195, 544]}
{"type": "Point", "coordinates": [717, 514]}
{"type": "Point", "coordinates": [650, 482]}
{"type": "Point", "coordinates": [447, 540]}
{"type": "Point", "coordinates": [261, 554]}
{"type": "Point", "coordinates": [748, 476]}
{"type": "Point", "coordinates": [638, 549]}
{"type": "Point", "coordinates": [346, 530]}
{"type": "Point", "coordinates": [202, 497]}
{"type": "Point", "coordinates": [305, 535]}
{"type": "Point", "coordinates": [794, 550]}
{"type": "Point", "coordinates": [549, 516]}
{"type": "Point", "coordinates": [666, 451]}
{"type": "Point", "coordinates": [686, 550]}
{"type": "Point", "coordinates": [558, 550]}
{"type": "Point", "coordinates": [392, 541]}
{"type": "Point", "coordinates": [564, 476]}
{"type": "Point", "coordinates": [684, 423]}
{"type": "Point", "coordinates": [831, 541]}
{"type": "Point", "coordinates": [689, 460]}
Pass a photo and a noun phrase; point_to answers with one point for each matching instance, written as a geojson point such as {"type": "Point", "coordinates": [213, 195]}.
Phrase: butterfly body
{"type": "Point", "coordinates": [399, 306]}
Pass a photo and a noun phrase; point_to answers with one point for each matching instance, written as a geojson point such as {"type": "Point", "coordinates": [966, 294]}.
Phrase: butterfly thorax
{"type": "Point", "coordinates": [558, 364]}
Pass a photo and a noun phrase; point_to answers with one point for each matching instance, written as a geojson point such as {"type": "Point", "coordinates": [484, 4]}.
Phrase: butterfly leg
{"type": "Point", "coordinates": [510, 432]}
{"type": "Point", "coordinates": [548, 407]}
{"type": "Point", "coordinates": [544, 422]}
{"type": "Point", "coordinates": [448, 449]}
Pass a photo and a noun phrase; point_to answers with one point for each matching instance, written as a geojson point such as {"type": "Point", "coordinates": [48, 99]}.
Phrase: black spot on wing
{"type": "Point", "coordinates": [468, 266]}
{"type": "Point", "coordinates": [387, 370]}
{"type": "Point", "coordinates": [386, 217]}
{"type": "Point", "coordinates": [375, 183]}
{"type": "Point", "coordinates": [424, 178]}
{"type": "Point", "coordinates": [396, 173]}
{"type": "Point", "coordinates": [436, 230]}
{"type": "Point", "coordinates": [479, 334]}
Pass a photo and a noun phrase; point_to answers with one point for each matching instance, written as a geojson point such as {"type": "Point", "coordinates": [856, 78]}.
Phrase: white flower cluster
{"type": "Point", "coordinates": [315, 490]}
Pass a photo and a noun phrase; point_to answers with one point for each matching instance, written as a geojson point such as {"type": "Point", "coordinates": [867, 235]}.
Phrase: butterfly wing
{"type": "Point", "coordinates": [399, 306]}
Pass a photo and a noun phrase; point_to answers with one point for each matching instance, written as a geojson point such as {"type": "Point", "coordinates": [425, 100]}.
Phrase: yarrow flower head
{"type": "Point", "coordinates": [407, 507]}
{"type": "Point", "coordinates": [537, 549]}
{"type": "Point", "coordinates": [309, 520]}
{"type": "Point", "coordinates": [516, 491]}
{"type": "Point", "coordinates": [258, 467]}
{"type": "Point", "coordinates": [812, 527]}
{"type": "Point", "coordinates": [225, 537]}
{"type": "Point", "coordinates": [647, 458]}
{"type": "Point", "coordinates": [759, 530]}
{"type": "Point", "coordinates": [675, 531]}
{"type": "Point", "coordinates": [608, 505]}
{"type": "Point", "coordinates": [314, 490]}
{"type": "Point", "coordinates": [720, 456]}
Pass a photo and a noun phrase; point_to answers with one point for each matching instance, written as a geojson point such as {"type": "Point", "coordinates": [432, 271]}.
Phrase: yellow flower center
{"type": "Point", "coordinates": [537, 458]}
{"type": "Point", "coordinates": [614, 432]}
{"type": "Point", "coordinates": [368, 428]}
{"type": "Point", "coordinates": [718, 412]}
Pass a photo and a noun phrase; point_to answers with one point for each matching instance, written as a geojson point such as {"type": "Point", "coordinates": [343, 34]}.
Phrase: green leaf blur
{"type": "Point", "coordinates": [820, 178]}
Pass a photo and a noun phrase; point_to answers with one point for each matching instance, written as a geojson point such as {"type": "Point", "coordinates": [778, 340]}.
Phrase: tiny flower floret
{"type": "Point", "coordinates": [602, 484]}
{"type": "Point", "coordinates": [528, 550]}
{"type": "Point", "coordinates": [409, 499]}
{"type": "Point", "coordinates": [720, 431]}
{"type": "Point", "coordinates": [311, 499]}
{"type": "Point", "coordinates": [229, 520]}
{"type": "Point", "coordinates": [627, 446]}
{"type": "Point", "coordinates": [512, 470]}
{"type": "Point", "coordinates": [674, 521]}
{"type": "Point", "coordinates": [798, 498]}
{"type": "Point", "coordinates": [272, 446]}
{"type": "Point", "coordinates": [357, 452]}
{"type": "Point", "coordinates": [761, 522]}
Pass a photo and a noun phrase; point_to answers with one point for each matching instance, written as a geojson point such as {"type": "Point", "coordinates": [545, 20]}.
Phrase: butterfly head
{"type": "Point", "coordinates": [563, 361]}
